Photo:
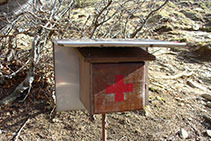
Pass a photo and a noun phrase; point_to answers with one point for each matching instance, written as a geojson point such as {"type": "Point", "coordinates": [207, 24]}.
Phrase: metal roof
{"type": "Point", "coordinates": [118, 43]}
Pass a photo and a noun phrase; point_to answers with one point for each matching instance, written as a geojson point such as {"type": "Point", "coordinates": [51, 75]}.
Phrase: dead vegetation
{"type": "Point", "coordinates": [43, 22]}
{"type": "Point", "coordinates": [26, 72]}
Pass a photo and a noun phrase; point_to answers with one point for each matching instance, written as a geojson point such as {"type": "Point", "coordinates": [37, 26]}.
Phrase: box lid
{"type": "Point", "coordinates": [117, 43]}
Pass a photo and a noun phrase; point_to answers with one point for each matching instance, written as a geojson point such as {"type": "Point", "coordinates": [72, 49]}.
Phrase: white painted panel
{"type": "Point", "coordinates": [67, 74]}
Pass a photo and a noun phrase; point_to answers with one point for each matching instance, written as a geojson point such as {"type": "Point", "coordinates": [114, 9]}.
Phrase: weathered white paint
{"type": "Point", "coordinates": [118, 43]}
{"type": "Point", "coordinates": [67, 74]}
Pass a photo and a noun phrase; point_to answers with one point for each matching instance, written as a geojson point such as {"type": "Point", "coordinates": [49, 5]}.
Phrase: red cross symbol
{"type": "Point", "coordinates": [119, 88]}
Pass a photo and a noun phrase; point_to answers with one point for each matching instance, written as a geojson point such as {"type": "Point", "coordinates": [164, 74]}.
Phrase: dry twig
{"type": "Point", "coordinates": [138, 29]}
{"type": "Point", "coordinates": [17, 134]}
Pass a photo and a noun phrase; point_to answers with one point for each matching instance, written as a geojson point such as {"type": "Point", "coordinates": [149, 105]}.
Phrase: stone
{"type": "Point", "coordinates": [148, 111]}
{"type": "Point", "coordinates": [55, 120]}
{"type": "Point", "coordinates": [185, 3]}
{"type": "Point", "coordinates": [204, 51]}
{"type": "Point", "coordinates": [208, 104]}
{"type": "Point", "coordinates": [164, 28]}
{"type": "Point", "coordinates": [206, 96]}
{"type": "Point", "coordinates": [199, 9]}
{"type": "Point", "coordinates": [193, 15]}
{"type": "Point", "coordinates": [208, 133]}
{"type": "Point", "coordinates": [207, 17]}
{"type": "Point", "coordinates": [207, 118]}
{"type": "Point", "coordinates": [196, 85]}
{"type": "Point", "coordinates": [206, 28]}
{"type": "Point", "coordinates": [196, 27]}
{"type": "Point", "coordinates": [183, 133]}
{"type": "Point", "coordinates": [2, 80]}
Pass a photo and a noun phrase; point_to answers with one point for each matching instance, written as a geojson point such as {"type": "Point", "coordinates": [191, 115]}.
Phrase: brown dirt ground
{"type": "Point", "coordinates": [173, 105]}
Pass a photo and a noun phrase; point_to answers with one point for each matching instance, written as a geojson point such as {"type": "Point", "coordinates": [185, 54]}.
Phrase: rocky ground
{"type": "Point", "coordinates": [179, 107]}
{"type": "Point", "coordinates": [179, 97]}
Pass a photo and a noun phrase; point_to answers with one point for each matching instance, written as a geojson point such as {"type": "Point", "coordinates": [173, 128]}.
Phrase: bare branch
{"type": "Point", "coordinates": [146, 19]}
{"type": "Point", "coordinates": [14, 73]}
{"type": "Point", "coordinates": [15, 138]}
{"type": "Point", "coordinates": [95, 23]}
{"type": "Point", "coordinates": [27, 83]}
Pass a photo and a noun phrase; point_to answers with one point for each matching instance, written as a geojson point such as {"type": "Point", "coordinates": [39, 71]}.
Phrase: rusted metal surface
{"type": "Point", "coordinates": [69, 86]}
{"type": "Point", "coordinates": [85, 83]}
{"type": "Point", "coordinates": [118, 87]}
{"type": "Point", "coordinates": [118, 43]}
{"type": "Point", "coordinates": [93, 83]}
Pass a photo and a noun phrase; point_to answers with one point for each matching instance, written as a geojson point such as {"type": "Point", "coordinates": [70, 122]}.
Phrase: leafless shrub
{"type": "Point", "coordinates": [41, 21]}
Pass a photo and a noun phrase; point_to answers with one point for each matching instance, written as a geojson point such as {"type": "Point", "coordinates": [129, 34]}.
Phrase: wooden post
{"type": "Point", "coordinates": [104, 124]}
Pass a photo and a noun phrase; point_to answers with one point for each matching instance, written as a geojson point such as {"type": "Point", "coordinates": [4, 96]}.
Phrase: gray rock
{"type": "Point", "coordinates": [208, 133]}
{"type": "Point", "coordinates": [185, 3]}
{"type": "Point", "coordinates": [193, 15]}
{"type": "Point", "coordinates": [196, 27]}
{"type": "Point", "coordinates": [208, 104]}
{"type": "Point", "coordinates": [207, 17]}
{"type": "Point", "coordinates": [199, 9]}
{"type": "Point", "coordinates": [207, 118]}
{"type": "Point", "coordinates": [148, 111]}
{"type": "Point", "coordinates": [183, 133]}
{"type": "Point", "coordinates": [196, 85]}
{"type": "Point", "coordinates": [204, 51]}
{"type": "Point", "coordinates": [206, 96]}
{"type": "Point", "coordinates": [55, 120]}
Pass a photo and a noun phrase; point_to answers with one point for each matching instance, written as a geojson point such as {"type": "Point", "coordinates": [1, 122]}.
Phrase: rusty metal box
{"type": "Point", "coordinates": [104, 69]}
{"type": "Point", "coordinates": [113, 79]}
